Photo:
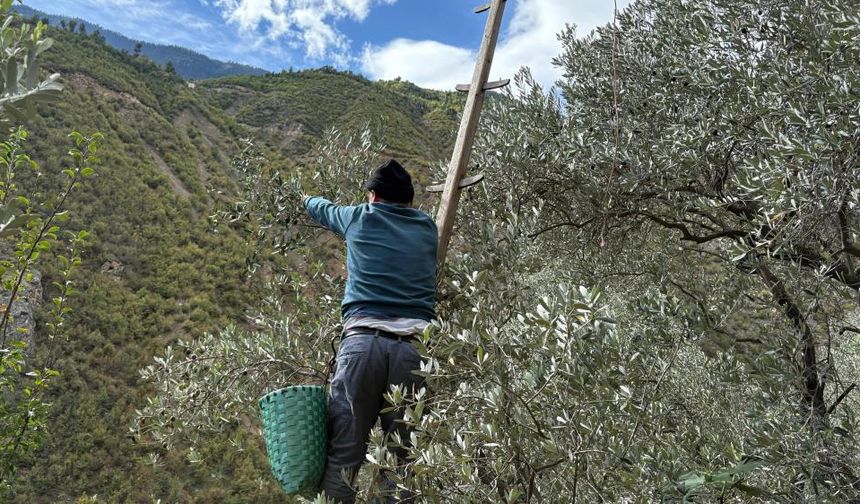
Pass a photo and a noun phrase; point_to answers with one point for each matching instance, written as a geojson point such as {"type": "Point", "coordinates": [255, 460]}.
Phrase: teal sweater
{"type": "Point", "coordinates": [390, 257]}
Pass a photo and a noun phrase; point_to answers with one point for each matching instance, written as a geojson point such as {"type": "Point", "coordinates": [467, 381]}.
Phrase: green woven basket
{"type": "Point", "coordinates": [294, 428]}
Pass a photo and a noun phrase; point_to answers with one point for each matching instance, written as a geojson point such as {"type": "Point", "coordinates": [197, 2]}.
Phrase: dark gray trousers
{"type": "Point", "coordinates": [367, 366]}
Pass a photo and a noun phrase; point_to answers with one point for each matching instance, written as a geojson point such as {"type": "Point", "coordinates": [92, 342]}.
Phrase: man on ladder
{"type": "Point", "coordinates": [392, 254]}
{"type": "Point", "coordinates": [389, 298]}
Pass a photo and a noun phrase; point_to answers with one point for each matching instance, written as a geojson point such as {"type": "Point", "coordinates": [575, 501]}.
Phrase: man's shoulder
{"type": "Point", "coordinates": [410, 220]}
{"type": "Point", "coordinates": [421, 214]}
{"type": "Point", "coordinates": [425, 220]}
{"type": "Point", "coordinates": [395, 211]}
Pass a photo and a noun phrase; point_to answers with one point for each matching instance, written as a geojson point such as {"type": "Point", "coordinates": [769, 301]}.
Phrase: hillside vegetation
{"type": "Point", "coordinates": [155, 270]}
{"type": "Point", "coordinates": [294, 109]}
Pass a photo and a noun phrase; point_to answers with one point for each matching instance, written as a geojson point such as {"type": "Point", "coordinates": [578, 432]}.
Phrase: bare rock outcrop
{"type": "Point", "coordinates": [22, 319]}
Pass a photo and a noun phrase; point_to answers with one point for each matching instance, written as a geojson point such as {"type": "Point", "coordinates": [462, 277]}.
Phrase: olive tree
{"type": "Point", "coordinates": [710, 148]}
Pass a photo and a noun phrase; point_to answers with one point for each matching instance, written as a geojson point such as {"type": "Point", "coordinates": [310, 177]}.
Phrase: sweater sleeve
{"type": "Point", "coordinates": [333, 217]}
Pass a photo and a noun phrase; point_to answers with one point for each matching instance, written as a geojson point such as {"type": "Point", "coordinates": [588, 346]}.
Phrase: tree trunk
{"type": "Point", "coordinates": [813, 391]}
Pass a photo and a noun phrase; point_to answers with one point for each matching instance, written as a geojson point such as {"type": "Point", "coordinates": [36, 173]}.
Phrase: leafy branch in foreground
{"type": "Point", "coordinates": [20, 85]}
{"type": "Point", "coordinates": [214, 381]}
{"type": "Point", "coordinates": [32, 225]}
{"type": "Point", "coordinates": [269, 210]}
{"type": "Point", "coordinates": [40, 231]}
{"type": "Point", "coordinates": [23, 409]}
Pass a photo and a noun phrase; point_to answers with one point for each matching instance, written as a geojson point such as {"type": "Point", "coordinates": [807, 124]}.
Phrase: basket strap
{"type": "Point", "coordinates": [330, 369]}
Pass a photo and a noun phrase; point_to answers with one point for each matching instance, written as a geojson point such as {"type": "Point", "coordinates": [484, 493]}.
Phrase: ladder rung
{"type": "Point", "coordinates": [484, 8]}
{"type": "Point", "coordinates": [496, 84]}
{"type": "Point", "coordinates": [464, 88]}
{"type": "Point", "coordinates": [465, 183]}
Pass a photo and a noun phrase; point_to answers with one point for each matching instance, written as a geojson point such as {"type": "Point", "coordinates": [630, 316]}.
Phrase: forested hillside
{"type": "Point", "coordinates": [294, 109]}
{"type": "Point", "coordinates": [155, 269]}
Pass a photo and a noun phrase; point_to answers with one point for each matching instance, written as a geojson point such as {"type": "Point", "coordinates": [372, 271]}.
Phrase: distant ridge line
{"type": "Point", "coordinates": [189, 64]}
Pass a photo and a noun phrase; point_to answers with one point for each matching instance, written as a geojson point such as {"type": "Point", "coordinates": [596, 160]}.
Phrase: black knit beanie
{"type": "Point", "coordinates": [391, 182]}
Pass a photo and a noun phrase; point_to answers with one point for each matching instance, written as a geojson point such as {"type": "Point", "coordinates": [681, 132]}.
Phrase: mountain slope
{"type": "Point", "coordinates": [292, 109]}
{"type": "Point", "coordinates": [155, 271]}
{"type": "Point", "coordinates": [188, 64]}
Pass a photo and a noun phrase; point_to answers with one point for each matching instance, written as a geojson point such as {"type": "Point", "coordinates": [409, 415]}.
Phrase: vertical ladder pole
{"type": "Point", "coordinates": [468, 127]}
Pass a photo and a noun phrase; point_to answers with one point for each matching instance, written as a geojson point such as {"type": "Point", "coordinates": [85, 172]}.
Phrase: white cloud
{"type": "Point", "coordinates": [306, 23]}
{"type": "Point", "coordinates": [530, 40]}
{"type": "Point", "coordinates": [426, 62]}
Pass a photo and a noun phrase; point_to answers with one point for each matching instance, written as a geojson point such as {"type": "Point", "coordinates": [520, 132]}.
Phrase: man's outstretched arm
{"type": "Point", "coordinates": [333, 217]}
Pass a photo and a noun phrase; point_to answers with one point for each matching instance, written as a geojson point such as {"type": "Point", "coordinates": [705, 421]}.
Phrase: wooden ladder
{"type": "Point", "coordinates": [455, 183]}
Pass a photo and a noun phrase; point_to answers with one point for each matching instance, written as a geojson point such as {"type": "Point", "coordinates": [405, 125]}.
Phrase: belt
{"type": "Point", "coordinates": [368, 331]}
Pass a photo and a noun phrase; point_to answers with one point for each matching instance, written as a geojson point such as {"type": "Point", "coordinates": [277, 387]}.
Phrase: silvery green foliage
{"type": "Point", "coordinates": [21, 85]}
{"type": "Point", "coordinates": [267, 211]}
{"type": "Point", "coordinates": [214, 381]}
{"type": "Point", "coordinates": [342, 165]}
{"type": "Point", "coordinates": [726, 181]}
{"type": "Point", "coordinates": [537, 394]}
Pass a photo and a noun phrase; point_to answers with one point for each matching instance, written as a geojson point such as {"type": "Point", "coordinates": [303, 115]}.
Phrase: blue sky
{"type": "Point", "coordinates": [430, 42]}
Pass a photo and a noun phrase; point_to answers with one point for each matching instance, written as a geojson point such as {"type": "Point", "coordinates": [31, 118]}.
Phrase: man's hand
{"type": "Point", "coordinates": [295, 187]}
